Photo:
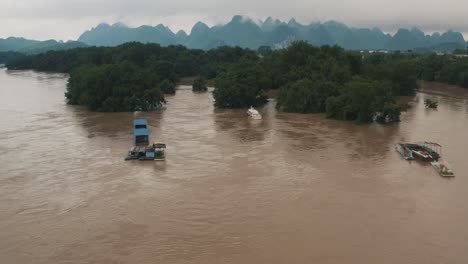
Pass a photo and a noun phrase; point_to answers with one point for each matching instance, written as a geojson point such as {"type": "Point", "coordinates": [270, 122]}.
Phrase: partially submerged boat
{"type": "Point", "coordinates": [142, 150]}
{"type": "Point", "coordinates": [253, 113]}
{"type": "Point", "coordinates": [425, 150]}
{"type": "Point", "coordinates": [443, 168]}
{"type": "Point", "coordinates": [404, 151]}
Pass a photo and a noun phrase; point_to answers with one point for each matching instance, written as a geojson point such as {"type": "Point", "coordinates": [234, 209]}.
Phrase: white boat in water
{"type": "Point", "coordinates": [253, 113]}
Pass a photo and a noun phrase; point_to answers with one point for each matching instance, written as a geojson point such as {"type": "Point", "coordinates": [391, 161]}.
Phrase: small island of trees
{"type": "Point", "coordinates": [344, 85]}
{"type": "Point", "coordinates": [199, 85]}
{"type": "Point", "coordinates": [114, 87]}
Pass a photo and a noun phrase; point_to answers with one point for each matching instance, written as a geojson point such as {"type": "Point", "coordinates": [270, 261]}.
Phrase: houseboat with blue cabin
{"type": "Point", "coordinates": [142, 149]}
{"type": "Point", "coordinates": [140, 132]}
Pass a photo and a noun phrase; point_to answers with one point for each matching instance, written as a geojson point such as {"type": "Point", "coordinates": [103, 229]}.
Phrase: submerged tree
{"type": "Point", "coordinates": [167, 87]}
{"type": "Point", "coordinates": [363, 101]}
{"type": "Point", "coordinates": [431, 103]}
{"type": "Point", "coordinates": [241, 86]}
{"type": "Point", "coordinates": [114, 87]}
{"type": "Point", "coordinates": [306, 96]}
{"type": "Point", "coordinates": [199, 85]}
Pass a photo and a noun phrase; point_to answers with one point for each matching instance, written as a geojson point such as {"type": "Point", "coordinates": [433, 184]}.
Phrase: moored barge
{"type": "Point", "coordinates": [425, 151]}
{"type": "Point", "coordinates": [142, 150]}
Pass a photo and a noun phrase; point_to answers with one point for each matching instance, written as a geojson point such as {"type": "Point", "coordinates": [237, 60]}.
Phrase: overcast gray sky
{"type": "Point", "coordinates": [67, 19]}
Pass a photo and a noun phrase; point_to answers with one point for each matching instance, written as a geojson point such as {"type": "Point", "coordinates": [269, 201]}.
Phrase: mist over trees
{"type": "Point", "coordinates": [28, 46]}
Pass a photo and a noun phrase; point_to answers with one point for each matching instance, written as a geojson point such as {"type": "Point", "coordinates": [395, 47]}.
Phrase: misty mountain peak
{"type": "Point", "coordinates": [293, 23]}
{"type": "Point", "coordinates": [103, 25]}
{"type": "Point", "coordinates": [247, 33]}
{"type": "Point", "coordinates": [181, 33]}
{"type": "Point", "coordinates": [119, 25]}
{"type": "Point", "coordinates": [237, 19]}
{"type": "Point", "coordinates": [199, 27]}
{"type": "Point", "coordinates": [417, 31]}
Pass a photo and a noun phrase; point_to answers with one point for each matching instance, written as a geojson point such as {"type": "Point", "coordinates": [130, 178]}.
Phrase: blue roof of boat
{"type": "Point", "coordinates": [141, 132]}
{"type": "Point", "coordinates": [140, 122]}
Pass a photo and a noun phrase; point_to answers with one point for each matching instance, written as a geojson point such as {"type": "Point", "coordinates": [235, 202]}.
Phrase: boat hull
{"type": "Point", "coordinates": [422, 153]}
{"type": "Point", "coordinates": [254, 114]}
{"type": "Point", "coordinates": [406, 153]}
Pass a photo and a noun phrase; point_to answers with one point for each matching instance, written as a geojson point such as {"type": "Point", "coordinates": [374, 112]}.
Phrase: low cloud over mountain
{"type": "Point", "coordinates": [244, 32]}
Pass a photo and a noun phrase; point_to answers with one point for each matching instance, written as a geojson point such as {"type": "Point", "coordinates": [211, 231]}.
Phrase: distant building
{"type": "Point", "coordinates": [383, 51]}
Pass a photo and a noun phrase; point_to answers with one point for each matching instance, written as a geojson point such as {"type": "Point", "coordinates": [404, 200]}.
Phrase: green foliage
{"type": "Point", "coordinates": [134, 76]}
{"type": "Point", "coordinates": [306, 96]}
{"type": "Point", "coordinates": [445, 69]}
{"type": "Point", "coordinates": [390, 112]}
{"type": "Point", "coordinates": [340, 83]}
{"type": "Point", "coordinates": [170, 62]}
{"type": "Point", "coordinates": [167, 87]}
{"type": "Point", "coordinates": [113, 87]}
{"type": "Point", "coordinates": [199, 85]}
{"type": "Point", "coordinates": [264, 50]}
{"type": "Point", "coordinates": [302, 60]}
{"type": "Point", "coordinates": [131, 76]}
{"type": "Point", "coordinates": [363, 101]}
{"type": "Point", "coordinates": [403, 77]}
{"type": "Point", "coordinates": [399, 70]}
{"type": "Point", "coordinates": [461, 51]}
{"type": "Point", "coordinates": [8, 55]}
{"type": "Point", "coordinates": [241, 85]}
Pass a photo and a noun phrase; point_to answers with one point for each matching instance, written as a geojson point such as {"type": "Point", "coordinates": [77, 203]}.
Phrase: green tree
{"type": "Point", "coordinates": [241, 86]}
{"type": "Point", "coordinates": [306, 96]}
{"type": "Point", "coordinates": [264, 50]}
{"type": "Point", "coordinates": [199, 85]}
{"type": "Point", "coordinates": [363, 101]}
{"type": "Point", "coordinates": [113, 87]}
{"type": "Point", "coordinates": [463, 78]}
{"type": "Point", "coordinates": [403, 77]}
{"type": "Point", "coordinates": [167, 87]}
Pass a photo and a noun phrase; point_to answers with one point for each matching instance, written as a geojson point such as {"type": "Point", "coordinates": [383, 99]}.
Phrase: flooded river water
{"type": "Point", "coordinates": [290, 188]}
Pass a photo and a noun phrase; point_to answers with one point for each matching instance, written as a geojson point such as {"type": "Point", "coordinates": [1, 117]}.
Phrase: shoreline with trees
{"type": "Point", "coordinates": [344, 85]}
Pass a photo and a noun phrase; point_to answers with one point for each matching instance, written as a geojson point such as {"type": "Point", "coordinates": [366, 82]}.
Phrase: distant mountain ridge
{"type": "Point", "coordinates": [28, 46]}
{"type": "Point", "coordinates": [244, 32]}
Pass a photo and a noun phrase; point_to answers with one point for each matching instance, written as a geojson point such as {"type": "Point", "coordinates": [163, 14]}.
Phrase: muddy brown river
{"type": "Point", "coordinates": [290, 188]}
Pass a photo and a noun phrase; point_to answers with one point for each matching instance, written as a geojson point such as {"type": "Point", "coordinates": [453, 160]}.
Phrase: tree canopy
{"type": "Point", "coordinates": [445, 69]}
{"type": "Point", "coordinates": [199, 85]}
{"type": "Point", "coordinates": [114, 87]}
{"type": "Point", "coordinates": [363, 101]}
{"type": "Point", "coordinates": [343, 84]}
{"type": "Point", "coordinates": [242, 85]}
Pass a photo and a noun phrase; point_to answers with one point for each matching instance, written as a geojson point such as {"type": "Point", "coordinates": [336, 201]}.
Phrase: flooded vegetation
{"type": "Point", "coordinates": [295, 188]}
